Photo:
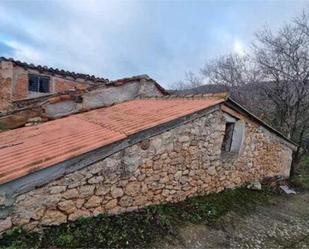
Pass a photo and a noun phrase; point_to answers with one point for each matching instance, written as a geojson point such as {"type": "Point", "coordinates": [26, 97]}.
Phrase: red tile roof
{"type": "Point", "coordinates": [29, 149]}
{"type": "Point", "coordinates": [55, 71]}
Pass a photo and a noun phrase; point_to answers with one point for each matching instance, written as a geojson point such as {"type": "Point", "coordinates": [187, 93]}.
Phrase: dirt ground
{"type": "Point", "coordinates": [283, 224]}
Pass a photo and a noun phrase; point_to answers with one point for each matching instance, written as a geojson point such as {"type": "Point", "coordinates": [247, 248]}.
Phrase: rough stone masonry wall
{"type": "Point", "coordinates": [5, 84]}
{"type": "Point", "coordinates": [169, 167]}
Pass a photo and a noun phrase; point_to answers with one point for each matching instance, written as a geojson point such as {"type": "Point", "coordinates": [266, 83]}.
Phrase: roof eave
{"type": "Point", "coordinates": [236, 106]}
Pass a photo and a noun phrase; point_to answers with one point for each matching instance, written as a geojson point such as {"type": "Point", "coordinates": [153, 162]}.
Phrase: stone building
{"type": "Point", "coordinates": [132, 154]}
{"type": "Point", "coordinates": [40, 93]}
{"type": "Point", "coordinates": [20, 81]}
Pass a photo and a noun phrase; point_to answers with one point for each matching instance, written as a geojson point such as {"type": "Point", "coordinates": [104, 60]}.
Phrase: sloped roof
{"type": "Point", "coordinates": [55, 71]}
{"type": "Point", "coordinates": [29, 149]}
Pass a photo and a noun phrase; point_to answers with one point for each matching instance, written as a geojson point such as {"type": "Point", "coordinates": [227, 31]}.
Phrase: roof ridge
{"type": "Point", "coordinates": [223, 95]}
{"type": "Point", "coordinates": [55, 70]}
{"type": "Point", "coordinates": [140, 77]}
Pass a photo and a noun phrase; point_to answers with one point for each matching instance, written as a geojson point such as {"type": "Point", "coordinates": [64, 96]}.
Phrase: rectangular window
{"type": "Point", "coordinates": [228, 137]}
{"type": "Point", "coordinates": [38, 83]}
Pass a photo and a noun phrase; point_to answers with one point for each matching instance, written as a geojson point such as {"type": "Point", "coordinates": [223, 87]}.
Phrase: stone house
{"type": "Point", "coordinates": [41, 93]}
{"type": "Point", "coordinates": [20, 81]}
{"type": "Point", "coordinates": [139, 152]}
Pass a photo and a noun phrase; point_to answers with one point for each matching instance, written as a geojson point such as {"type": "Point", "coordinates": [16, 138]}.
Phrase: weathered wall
{"type": "Point", "coordinates": [61, 84]}
{"type": "Point", "coordinates": [54, 107]}
{"type": "Point", "coordinates": [57, 83]}
{"type": "Point", "coordinates": [6, 74]}
{"type": "Point", "coordinates": [14, 83]}
{"type": "Point", "coordinates": [178, 163]}
{"type": "Point", "coordinates": [101, 97]}
{"type": "Point", "coordinates": [20, 83]}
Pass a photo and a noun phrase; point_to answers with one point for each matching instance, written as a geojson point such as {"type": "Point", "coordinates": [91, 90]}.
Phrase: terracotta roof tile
{"type": "Point", "coordinates": [29, 149]}
{"type": "Point", "coordinates": [56, 71]}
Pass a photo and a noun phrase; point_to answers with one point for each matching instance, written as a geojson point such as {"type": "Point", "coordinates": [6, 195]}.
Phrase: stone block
{"type": "Point", "coordinates": [5, 224]}
{"type": "Point", "coordinates": [95, 179]}
{"type": "Point", "coordinates": [70, 194]}
{"type": "Point", "coordinates": [94, 201]}
{"type": "Point", "coordinates": [67, 206]}
{"type": "Point", "coordinates": [57, 189]}
{"type": "Point", "coordinates": [133, 188]}
{"type": "Point", "coordinates": [53, 217]}
{"type": "Point", "coordinates": [79, 203]}
{"type": "Point", "coordinates": [111, 204]}
{"type": "Point", "coordinates": [126, 201]}
{"type": "Point", "coordinates": [116, 192]}
{"type": "Point", "coordinates": [102, 190]}
{"type": "Point", "coordinates": [78, 214]}
{"type": "Point", "coordinates": [86, 191]}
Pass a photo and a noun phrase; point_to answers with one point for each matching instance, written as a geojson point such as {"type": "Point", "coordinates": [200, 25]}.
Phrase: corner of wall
{"type": "Point", "coordinates": [148, 89]}
{"type": "Point", "coordinates": [6, 84]}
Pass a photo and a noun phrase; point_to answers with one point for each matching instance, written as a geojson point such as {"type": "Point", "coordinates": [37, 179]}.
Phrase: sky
{"type": "Point", "coordinates": [116, 39]}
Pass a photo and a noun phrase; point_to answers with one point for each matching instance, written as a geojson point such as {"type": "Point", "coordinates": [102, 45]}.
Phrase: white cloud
{"type": "Point", "coordinates": [75, 35]}
{"type": "Point", "coordinates": [114, 39]}
{"type": "Point", "coordinates": [24, 52]}
{"type": "Point", "coordinates": [239, 48]}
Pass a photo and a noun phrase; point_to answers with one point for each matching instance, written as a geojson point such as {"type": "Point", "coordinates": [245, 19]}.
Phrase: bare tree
{"type": "Point", "coordinates": [191, 81]}
{"type": "Point", "coordinates": [240, 75]}
{"type": "Point", "coordinates": [272, 81]}
{"type": "Point", "coordinates": [231, 70]}
{"type": "Point", "coordinates": [283, 60]}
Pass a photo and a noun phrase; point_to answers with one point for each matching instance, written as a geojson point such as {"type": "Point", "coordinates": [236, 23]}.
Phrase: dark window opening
{"type": "Point", "coordinates": [38, 83]}
{"type": "Point", "coordinates": [228, 137]}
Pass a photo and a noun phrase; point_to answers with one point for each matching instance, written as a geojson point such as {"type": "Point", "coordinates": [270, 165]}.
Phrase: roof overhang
{"type": "Point", "coordinates": [239, 108]}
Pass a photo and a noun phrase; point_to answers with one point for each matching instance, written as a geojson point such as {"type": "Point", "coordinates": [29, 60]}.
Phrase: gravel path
{"type": "Point", "coordinates": [284, 224]}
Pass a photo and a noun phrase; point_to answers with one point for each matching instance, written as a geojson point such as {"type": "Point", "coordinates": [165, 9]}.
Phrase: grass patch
{"type": "Point", "coordinates": [137, 229]}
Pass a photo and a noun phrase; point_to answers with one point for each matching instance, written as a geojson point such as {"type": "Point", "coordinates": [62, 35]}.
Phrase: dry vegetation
{"type": "Point", "coordinates": [272, 80]}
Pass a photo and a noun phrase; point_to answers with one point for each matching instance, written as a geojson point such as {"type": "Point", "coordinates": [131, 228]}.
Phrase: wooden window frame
{"type": "Point", "coordinates": [39, 83]}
